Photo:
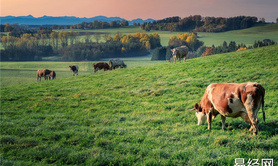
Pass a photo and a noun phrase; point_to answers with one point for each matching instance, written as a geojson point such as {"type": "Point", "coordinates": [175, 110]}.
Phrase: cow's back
{"type": "Point", "coordinates": [182, 51]}
{"type": "Point", "coordinates": [116, 62]}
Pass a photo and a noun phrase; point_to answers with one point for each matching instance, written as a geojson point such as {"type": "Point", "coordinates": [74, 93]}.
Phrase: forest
{"type": "Point", "coordinates": [137, 44]}
{"type": "Point", "coordinates": [197, 23]}
{"type": "Point", "coordinates": [33, 45]}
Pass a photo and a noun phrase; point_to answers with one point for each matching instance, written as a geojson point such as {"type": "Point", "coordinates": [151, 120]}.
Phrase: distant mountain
{"type": "Point", "coordinates": [64, 20]}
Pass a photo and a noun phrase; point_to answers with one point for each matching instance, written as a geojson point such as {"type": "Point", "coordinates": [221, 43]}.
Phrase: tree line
{"type": "Point", "coordinates": [96, 25]}
{"type": "Point", "coordinates": [68, 45]}
{"type": "Point", "coordinates": [197, 23]}
{"type": "Point", "coordinates": [233, 46]}
{"type": "Point", "coordinates": [137, 44]}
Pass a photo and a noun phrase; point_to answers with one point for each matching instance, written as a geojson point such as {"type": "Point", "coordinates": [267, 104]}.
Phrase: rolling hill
{"type": "Point", "coordinates": [138, 115]}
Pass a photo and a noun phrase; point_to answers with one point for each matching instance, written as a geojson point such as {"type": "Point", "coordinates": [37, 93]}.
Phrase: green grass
{"type": "Point", "coordinates": [14, 73]}
{"type": "Point", "coordinates": [246, 36]}
{"type": "Point", "coordinates": [138, 115]}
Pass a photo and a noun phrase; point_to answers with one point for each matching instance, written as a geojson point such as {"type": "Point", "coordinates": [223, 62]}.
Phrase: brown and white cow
{"type": "Point", "coordinates": [43, 73]}
{"type": "Point", "coordinates": [100, 66]}
{"type": "Point", "coordinates": [52, 75]}
{"type": "Point", "coordinates": [74, 69]}
{"type": "Point", "coordinates": [231, 100]}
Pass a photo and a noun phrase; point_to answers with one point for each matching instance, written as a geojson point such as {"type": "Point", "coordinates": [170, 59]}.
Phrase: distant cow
{"type": "Point", "coordinates": [74, 69]}
{"type": "Point", "coordinates": [179, 52]}
{"type": "Point", "coordinates": [52, 75]}
{"type": "Point", "coordinates": [231, 100]}
{"type": "Point", "coordinates": [114, 63]}
{"type": "Point", "coordinates": [100, 66]}
{"type": "Point", "coordinates": [43, 73]}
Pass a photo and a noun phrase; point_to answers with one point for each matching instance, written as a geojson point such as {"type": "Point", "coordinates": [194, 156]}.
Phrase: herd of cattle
{"type": "Point", "coordinates": [177, 53]}
{"type": "Point", "coordinates": [113, 64]}
{"type": "Point", "coordinates": [227, 99]}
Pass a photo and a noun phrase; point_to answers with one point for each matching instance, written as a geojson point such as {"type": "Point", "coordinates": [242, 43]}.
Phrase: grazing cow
{"type": "Point", "coordinates": [43, 73]}
{"type": "Point", "coordinates": [116, 63]}
{"type": "Point", "coordinates": [52, 75]}
{"type": "Point", "coordinates": [231, 100]}
{"type": "Point", "coordinates": [74, 69]}
{"type": "Point", "coordinates": [179, 52]}
{"type": "Point", "coordinates": [101, 65]}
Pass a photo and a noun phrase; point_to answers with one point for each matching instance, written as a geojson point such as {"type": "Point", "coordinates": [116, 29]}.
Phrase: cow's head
{"type": "Point", "coordinates": [199, 114]}
{"type": "Point", "coordinates": [174, 51]}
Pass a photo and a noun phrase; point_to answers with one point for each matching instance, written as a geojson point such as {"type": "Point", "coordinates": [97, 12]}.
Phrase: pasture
{"type": "Point", "coordinates": [138, 115]}
{"type": "Point", "coordinates": [14, 73]}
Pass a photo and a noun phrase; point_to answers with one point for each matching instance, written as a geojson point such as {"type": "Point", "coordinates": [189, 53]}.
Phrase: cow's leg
{"type": "Point", "coordinates": [254, 126]}
{"type": "Point", "coordinates": [209, 117]}
{"type": "Point", "coordinates": [252, 113]}
{"type": "Point", "coordinates": [246, 118]}
{"type": "Point", "coordinates": [223, 118]}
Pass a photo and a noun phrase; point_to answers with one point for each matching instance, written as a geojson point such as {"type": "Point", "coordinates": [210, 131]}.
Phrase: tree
{"type": "Point", "coordinates": [87, 37]}
{"type": "Point", "coordinates": [8, 27]}
{"type": "Point", "coordinates": [116, 37]}
{"type": "Point", "coordinates": [63, 37]}
{"type": "Point", "coordinates": [54, 40]}
{"type": "Point", "coordinates": [208, 51]}
{"type": "Point", "coordinates": [124, 23]}
{"type": "Point", "coordinates": [97, 36]}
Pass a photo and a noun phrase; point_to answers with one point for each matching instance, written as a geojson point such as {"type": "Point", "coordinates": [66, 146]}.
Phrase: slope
{"type": "Point", "coordinates": [138, 115]}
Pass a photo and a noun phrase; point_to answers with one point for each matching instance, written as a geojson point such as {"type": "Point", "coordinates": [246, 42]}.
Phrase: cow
{"type": "Point", "coordinates": [101, 65]}
{"type": "Point", "coordinates": [74, 69]}
{"type": "Point", "coordinates": [231, 100]}
{"type": "Point", "coordinates": [179, 52]}
{"type": "Point", "coordinates": [43, 73]}
{"type": "Point", "coordinates": [52, 75]}
{"type": "Point", "coordinates": [114, 63]}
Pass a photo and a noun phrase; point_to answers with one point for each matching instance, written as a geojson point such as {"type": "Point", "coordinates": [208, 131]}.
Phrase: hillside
{"type": "Point", "coordinates": [138, 115]}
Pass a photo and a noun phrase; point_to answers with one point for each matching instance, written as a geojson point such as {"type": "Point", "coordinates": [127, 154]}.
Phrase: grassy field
{"type": "Point", "coordinates": [14, 73]}
{"type": "Point", "coordinates": [138, 115]}
{"type": "Point", "coordinates": [246, 36]}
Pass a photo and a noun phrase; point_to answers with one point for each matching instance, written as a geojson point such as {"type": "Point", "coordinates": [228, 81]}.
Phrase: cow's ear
{"type": "Point", "coordinates": [196, 106]}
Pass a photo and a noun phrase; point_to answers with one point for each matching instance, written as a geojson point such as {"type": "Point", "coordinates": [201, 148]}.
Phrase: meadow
{"type": "Point", "coordinates": [21, 73]}
{"type": "Point", "coordinates": [138, 115]}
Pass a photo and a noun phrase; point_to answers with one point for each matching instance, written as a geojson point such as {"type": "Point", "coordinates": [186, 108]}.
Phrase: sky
{"type": "Point", "coordinates": [132, 9]}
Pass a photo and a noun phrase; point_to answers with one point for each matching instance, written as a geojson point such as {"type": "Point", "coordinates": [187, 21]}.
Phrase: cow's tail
{"type": "Point", "coordinates": [263, 108]}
